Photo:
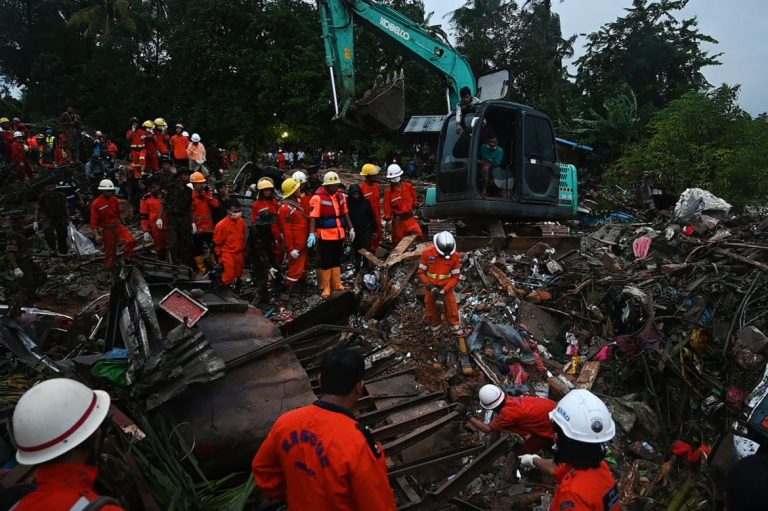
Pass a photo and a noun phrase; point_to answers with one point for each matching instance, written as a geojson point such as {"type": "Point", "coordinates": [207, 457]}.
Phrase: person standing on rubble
{"type": "Point", "coordinates": [372, 192]}
{"type": "Point", "coordinates": [179, 143]}
{"type": "Point", "coordinates": [582, 425]}
{"type": "Point", "coordinates": [527, 416]}
{"type": "Point", "coordinates": [306, 192]}
{"type": "Point", "coordinates": [62, 438]}
{"type": "Point", "coordinates": [260, 254]}
{"type": "Point", "coordinates": [318, 456]}
{"type": "Point", "coordinates": [440, 272]}
{"type": "Point", "coordinates": [52, 205]}
{"type": "Point", "coordinates": [162, 140]}
{"type": "Point", "coordinates": [72, 123]}
{"type": "Point", "coordinates": [26, 274]}
{"type": "Point", "coordinates": [329, 225]}
{"type": "Point", "coordinates": [19, 158]}
{"type": "Point", "coordinates": [154, 222]}
{"type": "Point", "coordinates": [196, 155]}
{"type": "Point", "coordinates": [364, 219]}
{"type": "Point", "coordinates": [108, 226]}
{"type": "Point", "coordinates": [203, 204]}
{"type": "Point", "coordinates": [399, 203]}
{"type": "Point", "coordinates": [294, 225]}
{"type": "Point", "coordinates": [178, 212]}
{"type": "Point", "coordinates": [150, 145]}
{"type": "Point", "coordinates": [266, 201]}
{"type": "Point", "coordinates": [229, 240]}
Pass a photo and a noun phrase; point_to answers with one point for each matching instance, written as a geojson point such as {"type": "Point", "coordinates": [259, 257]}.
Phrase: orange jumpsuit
{"type": "Point", "coordinates": [138, 153]}
{"type": "Point", "coordinates": [399, 203]}
{"type": "Point", "coordinates": [272, 206]}
{"type": "Point", "coordinates": [105, 214]}
{"type": "Point", "coordinates": [585, 490]}
{"type": "Point", "coordinates": [150, 209]}
{"type": "Point", "coordinates": [153, 162]}
{"type": "Point", "coordinates": [317, 458]}
{"type": "Point", "coordinates": [229, 242]}
{"type": "Point", "coordinates": [306, 201]}
{"type": "Point", "coordinates": [163, 142]}
{"type": "Point", "coordinates": [294, 225]}
{"type": "Point", "coordinates": [19, 160]}
{"type": "Point", "coordinates": [202, 215]}
{"type": "Point", "coordinates": [436, 270]}
{"type": "Point", "coordinates": [61, 487]}
{"type": "Point", "coordinates": [528, 417]}
{"type": "Point", "coordinates": [372, 192]}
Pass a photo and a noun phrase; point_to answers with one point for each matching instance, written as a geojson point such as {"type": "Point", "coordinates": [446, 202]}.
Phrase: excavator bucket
{"type": "Point", "coordinates": [382, 108]}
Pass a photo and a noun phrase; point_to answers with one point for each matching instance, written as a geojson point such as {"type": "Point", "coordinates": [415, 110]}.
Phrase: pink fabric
{"type": "Point", "coordinates": [641, 246]}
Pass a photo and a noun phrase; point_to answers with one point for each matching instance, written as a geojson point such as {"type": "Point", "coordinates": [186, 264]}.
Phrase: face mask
{"type": "Point", "coordinates": [235, 216]}
{"type": "Point", "coordinates": [395, 179]}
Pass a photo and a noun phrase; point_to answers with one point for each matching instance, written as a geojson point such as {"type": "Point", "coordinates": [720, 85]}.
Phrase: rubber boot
{"type": "Point", "coordinates": [324, 278]}
{"type": "Point", "coordinates": [200, 262]}
{"type": "Point", "coordinates": [336, 280]}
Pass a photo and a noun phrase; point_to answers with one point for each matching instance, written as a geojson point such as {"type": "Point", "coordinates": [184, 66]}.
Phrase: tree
{"type": "Point", "coordinates": [99, 18]}
{"type": "Point", "coordinates": [649, 49]}
{"type": "Point", "coordinates": [483, 30]}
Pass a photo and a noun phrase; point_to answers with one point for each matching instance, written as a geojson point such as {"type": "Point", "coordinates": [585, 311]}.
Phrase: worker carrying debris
{"type": "Point", "coordinates": [229, 241]}
{"type": "Point", "coordinates": [329, 225]}
{"type": "Point", "coordinates": [62, 437]}
{"type": "Point", "coordinates": [294, 224]}
{"type": "Point", "coordinates": [319, 457]}
{"type": "Point", "coordinates": [399, 202]}
{"type": "Point", "coordinates": [154, 222]}
{"type": "Point", "coordinates": [372, 192]}
{"type": "Point", "coordinates": [582, 426]}
{"type": "Point", "coordinates": [527, 416]}
{"type": "Point", "coordinates": [266, 201]}
{"type": "Point", "coordinates": [106, 223]}
{"type": "Point", "coordinates": [440, 271]}
{"type": "Point", "coordinates": [203, 203]}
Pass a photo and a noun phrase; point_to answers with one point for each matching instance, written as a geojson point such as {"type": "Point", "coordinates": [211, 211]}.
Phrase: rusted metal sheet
{"type": "Point", "coordinates": [333, 311]}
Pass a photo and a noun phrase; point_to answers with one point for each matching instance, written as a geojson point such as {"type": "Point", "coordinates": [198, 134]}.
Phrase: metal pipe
{"type": "Point", "coordinates": [333, 89]}
{"type": "Point", "coordinates": [448, 98]}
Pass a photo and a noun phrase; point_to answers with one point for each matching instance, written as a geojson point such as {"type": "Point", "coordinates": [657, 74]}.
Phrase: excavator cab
{"type": "Point", "coordinates": [502, 164]}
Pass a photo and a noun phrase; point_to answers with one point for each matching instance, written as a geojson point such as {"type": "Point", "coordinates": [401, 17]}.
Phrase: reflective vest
{"type": "Point", "coordinates": [329, 212]}
{"type": "Point", "coordinates": [436, 270]}
{"type": "Point", "coordinates": [202, 215]}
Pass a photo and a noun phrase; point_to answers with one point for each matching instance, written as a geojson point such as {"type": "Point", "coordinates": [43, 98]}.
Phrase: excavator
{"type": "Point", "coordinates": [529, 184]}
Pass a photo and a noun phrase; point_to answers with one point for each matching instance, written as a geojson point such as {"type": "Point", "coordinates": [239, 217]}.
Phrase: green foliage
{"type": "Point", "coordinates": [703, 140]}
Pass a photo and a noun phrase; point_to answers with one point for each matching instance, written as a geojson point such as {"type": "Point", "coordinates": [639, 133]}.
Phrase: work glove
{"type": "Point", "coordinates": [159, 223]}
{"type": "Point", "coordinates": [194, 228]}
{"type": "Point", "coordinates": [273, 273]}
{"type": "Point", "coordinates": [526, 460]}
{"type": "Point", "coordinates": [18, 273]}
{"type": "Point", "coordinates": [311, 240]}
{"type": "Point", "coordinates": [442, 292]}
{"type": "Point", "coordinates": [295, 254]}
{"type": "Point", "coordinates": [35, 226]}
{"type": "Point", "coordinates": [351, 235]}
{"type": "Point", "coordinates": [147, 236]}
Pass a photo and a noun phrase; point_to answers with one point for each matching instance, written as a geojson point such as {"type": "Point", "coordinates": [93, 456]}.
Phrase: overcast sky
{"type": "Point", "coordinates": [740, 26]}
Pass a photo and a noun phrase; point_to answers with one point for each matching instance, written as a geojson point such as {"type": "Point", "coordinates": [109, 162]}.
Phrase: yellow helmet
{"type": "Point", "coordinates": [4, 120]}
{"type": "Point", "coordinates": [290, 186]}
{"type": "Point", "coordinates": [148, 124]}
{"type": "Point", "coordinates": [265, 183]}
{"type": "Point", "coordinates": [331, 178]}
{"type": "Point", "coordinates": [160, 123]}
{"type": "Point", "coordinates": [369, 169]}
{"type": "Point", "coordinates": [197, 177]}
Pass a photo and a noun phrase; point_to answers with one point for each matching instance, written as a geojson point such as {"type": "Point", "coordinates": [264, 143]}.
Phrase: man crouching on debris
{"type": "Point", "coordinates": [319, 457]}
{"type": "Point", "coordinates": [582, 425]}
{"type": "Point", "coordinates": [105, 217]}
{"type": "Point", "coordinates": [439, 271]}
{"type": "Point", "coordinates": [62, 437]}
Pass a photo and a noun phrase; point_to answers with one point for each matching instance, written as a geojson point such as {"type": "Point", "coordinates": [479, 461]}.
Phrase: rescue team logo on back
{"type": "Point", "coordinates": [432, 259]}
{"type": "Point", "coordinates": [310, 438]}
{"type": "Point", "coordinates": [611, 499]}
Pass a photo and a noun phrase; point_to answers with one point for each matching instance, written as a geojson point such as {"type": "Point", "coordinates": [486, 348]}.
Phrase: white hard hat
{"type": "Point", "coordinates": [106, 184]}
{"type": "Point", "coordinates": [445, 243]}
{"type": "Point", "coordinates": [54, 417]}
{"type": "Point", "coordinates": [491, 396]}
{"type": "Point", "coordinates": [17, 134]}
{"type": "Point", "coordinates": [299, 176]}
{"type": "Point", "coordinates": [185, 133]}
{"type": "Point", "coordinates": [195, 137]}
{"type": "Point", "coordinates": [393, 171]}
{"type": "Point", "coordinates": [584, 417]}
{"type": "Point", "coordinates": [98, 133]}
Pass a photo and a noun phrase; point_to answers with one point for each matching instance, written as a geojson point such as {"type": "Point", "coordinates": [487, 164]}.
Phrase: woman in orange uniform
{"type": "Point", "coordinates": [294, 224]}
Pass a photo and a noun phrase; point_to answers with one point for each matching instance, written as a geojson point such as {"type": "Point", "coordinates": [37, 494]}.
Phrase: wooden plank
{"type": "Point", "coordinates": [738, 257]}
{"type": "Point", "coordinates": [505, 281]}
{"type": "Point", "coordinates": [378, 263]}
{"type": "Point", "coordinates": [402, 246]}
{"type": "Point", "coordinates": [407, 256]}
{"type": "Point", "coordinates": [480, 272]}
{"type": "Point", "coordinates": [588, 375]}
{"type": "Point", "coordinates": [393, 291]}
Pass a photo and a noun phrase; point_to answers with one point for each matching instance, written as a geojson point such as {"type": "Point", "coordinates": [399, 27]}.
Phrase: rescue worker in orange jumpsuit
{"type": "Point", "coordinates": [19, 159]}
{"type": "Point", "coordinates": [439, 271]}
{"type": "Point", "coordinates": [266, 201]}
{"type": "Point", "coordinates": [582, 426]}
{"type": "Point", "coordinates": [294, 224]}
{"type": "Point", "coordinates": [203, 203]}
{"type": "Point", "coordinates": [154, 221]}
{"type": "Point", "coordinates": [162, 140]}
{"type": "Point", "coordinates": [138, 149]}
{"type": "Point", "coordinates": [306, 192]}
{"type": "Point", "coordinates": [372, 192]}
{"type": "Point", "coordinates": [106, 223]}
{"type": "Point", "coordinates": [62, 438]}
{"type": "Point", "coordinates": [399, 203]}
{"type": "Point", "coordinates": [229, 237]}
{"type": "Point", "coordinates": [133, 129]}
{"type": "Point", "coordinates": [150, 144]}
{"type": "Point", "coordinates": [527, 416]}
{"type": "Point", "coordinates": [329, 225]}
{"type": "Point", "coordinates": [318, 456]}
{"type": "Point", "coordinates": [179, 143]}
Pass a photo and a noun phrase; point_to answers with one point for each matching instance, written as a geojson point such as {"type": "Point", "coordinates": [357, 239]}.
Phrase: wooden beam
{"type": "Point", "coordinates": [588, 375]}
